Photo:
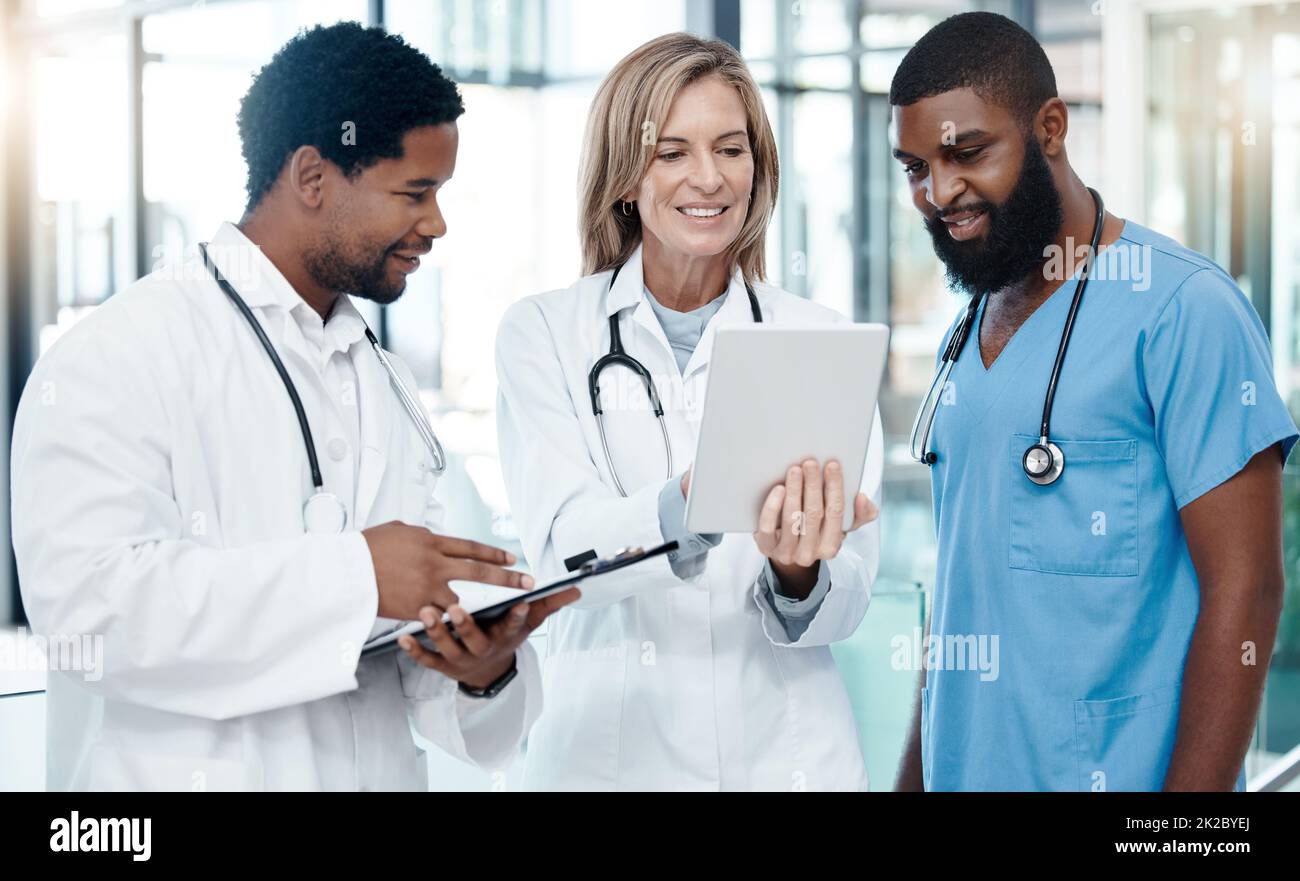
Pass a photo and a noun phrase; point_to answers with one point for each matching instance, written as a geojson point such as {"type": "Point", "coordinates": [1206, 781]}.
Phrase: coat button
{"type": "Point", "coordinates": [338, 448]}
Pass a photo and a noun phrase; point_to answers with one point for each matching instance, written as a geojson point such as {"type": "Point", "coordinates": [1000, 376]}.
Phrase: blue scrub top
{"type": "Point", "coordinates": [1063, 614]}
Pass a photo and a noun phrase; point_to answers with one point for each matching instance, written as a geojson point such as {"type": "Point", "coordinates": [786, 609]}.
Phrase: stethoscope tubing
{"type": "Point", "coordinates": [925, 415]}
{"type": "Point", "coordinates": [303, 425]}
{"type": "Point", "coordinates": [1045, 432]}
{"type": "Point", "coordinates": [617, 355]}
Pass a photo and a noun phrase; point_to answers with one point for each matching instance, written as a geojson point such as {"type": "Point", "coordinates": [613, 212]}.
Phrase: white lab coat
{"type": "Point", "coordinates": [158, 483]}
{"type": "Point", "coordinates": [653, 682]}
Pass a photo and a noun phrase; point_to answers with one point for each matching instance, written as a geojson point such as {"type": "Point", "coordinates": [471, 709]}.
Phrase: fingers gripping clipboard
{"type": "Point", "coordinates": [583, 567]}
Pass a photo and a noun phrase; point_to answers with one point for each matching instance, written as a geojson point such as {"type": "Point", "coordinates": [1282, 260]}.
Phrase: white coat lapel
{"type": "Point", "coordinates": [629, 290]}
{"type": "Point", "coordinates": [377, 401]}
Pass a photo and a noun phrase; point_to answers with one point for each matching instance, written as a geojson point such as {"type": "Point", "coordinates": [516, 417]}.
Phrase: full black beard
{"type": "Point", "coordinates": [1019, 230]}
{"type": "Point", "coordinates": [352, 268]}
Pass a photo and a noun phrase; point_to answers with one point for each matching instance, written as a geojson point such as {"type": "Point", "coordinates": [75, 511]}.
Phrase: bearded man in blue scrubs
{"type": "Point", "coordinates": [1135, 600]}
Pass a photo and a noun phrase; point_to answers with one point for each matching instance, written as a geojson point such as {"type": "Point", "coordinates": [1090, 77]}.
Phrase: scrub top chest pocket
{"type": "Point", "coordinates": [1086, 523]}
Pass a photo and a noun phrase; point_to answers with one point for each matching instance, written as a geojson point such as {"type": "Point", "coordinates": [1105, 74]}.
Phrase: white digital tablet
{"type": "Point", "coordinates": [775, 397]}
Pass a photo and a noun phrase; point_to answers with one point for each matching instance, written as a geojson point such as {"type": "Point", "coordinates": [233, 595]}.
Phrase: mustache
{"type": "Point", "coordinates": [1017, 231]}
{"type": "Point", "coordinates": [422, 247]}
{"type": "Point", "coordinates": [963, 209]}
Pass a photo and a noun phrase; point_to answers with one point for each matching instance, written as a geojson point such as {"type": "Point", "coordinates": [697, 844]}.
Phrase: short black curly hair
{"type": "Point", "coordinates": [327, 77]}
{"type": "Point", "coordinates": [983, 51]}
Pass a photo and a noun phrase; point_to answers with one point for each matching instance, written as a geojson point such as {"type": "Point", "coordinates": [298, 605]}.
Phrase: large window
{"type": "Point", "coordinates": [198, 62]}
{"type": "Point", "coordinates": [1223, 177]}
{"type": "Point", "coordinates": [81, 219]}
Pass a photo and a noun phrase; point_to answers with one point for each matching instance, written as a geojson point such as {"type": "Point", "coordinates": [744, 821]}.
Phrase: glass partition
{"type": "Point", "coordinates": [1223, 178]}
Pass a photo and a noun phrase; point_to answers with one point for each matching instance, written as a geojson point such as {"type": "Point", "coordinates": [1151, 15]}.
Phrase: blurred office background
{"type": "Point", "coordinates": [120, 150]}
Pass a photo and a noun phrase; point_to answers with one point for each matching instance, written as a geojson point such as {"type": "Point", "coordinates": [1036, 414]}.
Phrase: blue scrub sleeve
{"type": "Point", "coordinates": [1208, 375]}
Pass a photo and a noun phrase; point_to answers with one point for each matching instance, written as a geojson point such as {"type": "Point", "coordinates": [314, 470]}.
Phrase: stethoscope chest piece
{"type": "Point", "coordinates": [1043, 462]}
{"type": "Point", "coordinates": [324, 514]}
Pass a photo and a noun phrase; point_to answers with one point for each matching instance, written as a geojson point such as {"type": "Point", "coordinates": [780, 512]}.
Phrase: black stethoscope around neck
{"type": "Point", "coordinates": [617, 355]}
{"type": "Point", "coordinates": [1043, 461]}
{"type": "Point", "coordinates": [324, 512]}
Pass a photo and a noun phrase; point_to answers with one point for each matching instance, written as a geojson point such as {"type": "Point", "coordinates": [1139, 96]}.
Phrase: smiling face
{"type": "Point", "coordinates": [983, 186]}
{"type": "Point", "coordinates": [379, 222]}
{"type": "Point", "coordinates": [694, 198]}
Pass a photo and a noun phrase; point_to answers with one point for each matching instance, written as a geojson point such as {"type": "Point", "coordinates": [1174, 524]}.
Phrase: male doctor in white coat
{"type": "Point", "coordinates": [160, 474]}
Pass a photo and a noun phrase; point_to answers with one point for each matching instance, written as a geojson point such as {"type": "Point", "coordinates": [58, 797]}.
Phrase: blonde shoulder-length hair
{"type": "Point", "coordinates": [627, 114]}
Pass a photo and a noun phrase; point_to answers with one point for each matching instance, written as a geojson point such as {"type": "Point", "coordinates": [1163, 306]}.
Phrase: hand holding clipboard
{"type": "Point", "coordinates": [584, 567]}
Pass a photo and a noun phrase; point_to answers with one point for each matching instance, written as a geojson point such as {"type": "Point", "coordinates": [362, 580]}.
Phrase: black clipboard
{"type": "Point", "coordinates": [387, 642]}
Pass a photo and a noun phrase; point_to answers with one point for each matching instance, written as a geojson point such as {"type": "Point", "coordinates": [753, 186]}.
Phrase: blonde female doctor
{"type": "Point", "coordinates": [710, 670]}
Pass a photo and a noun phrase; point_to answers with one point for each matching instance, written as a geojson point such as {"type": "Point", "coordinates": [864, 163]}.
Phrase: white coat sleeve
{"type": "Point", "coordinates": [486, 732]}
{"type": "Point", "coordinates": [557, 498]}
{"type": "Point", "coordinates": [852, 570]}
{"type": "Point", "coordinates": [104, 550]}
